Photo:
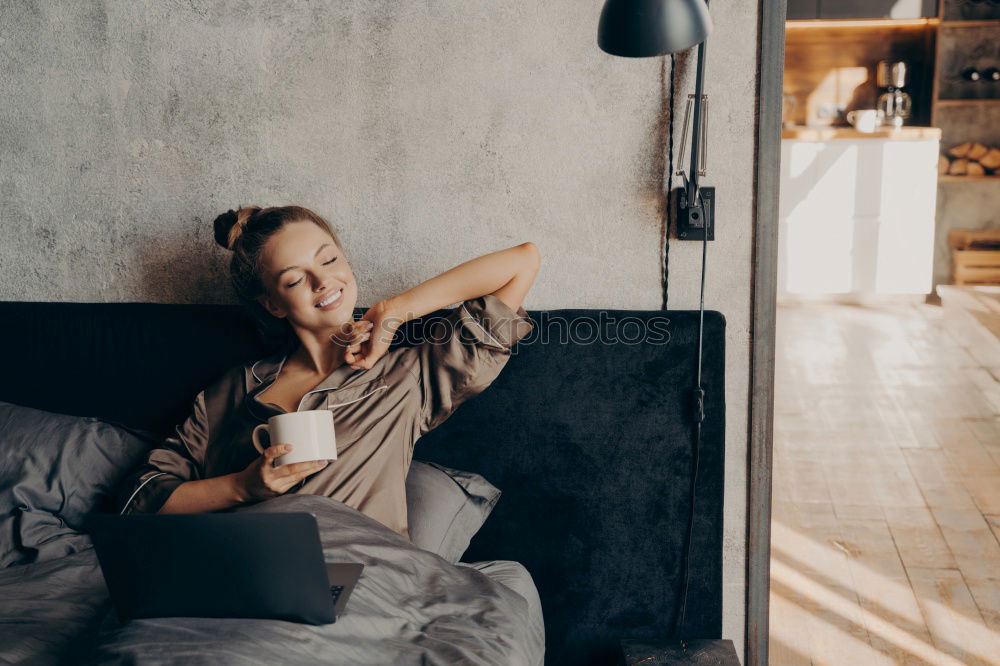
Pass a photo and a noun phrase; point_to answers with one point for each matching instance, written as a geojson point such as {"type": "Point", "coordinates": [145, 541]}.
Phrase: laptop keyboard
{"type": "Point", "coordinates": [335, 590]}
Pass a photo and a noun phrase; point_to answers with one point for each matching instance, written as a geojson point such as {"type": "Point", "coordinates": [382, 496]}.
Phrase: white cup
{"type": "Point", "coordinates": [864, 120]}
{"type": "Point", "coordinates": [310, 433]}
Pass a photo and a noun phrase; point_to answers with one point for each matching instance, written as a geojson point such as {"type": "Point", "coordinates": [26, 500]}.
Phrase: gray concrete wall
{"type": "Point", "coordinates": [428, 132]}
{"type": "Point", "coordinates": [964, 205]}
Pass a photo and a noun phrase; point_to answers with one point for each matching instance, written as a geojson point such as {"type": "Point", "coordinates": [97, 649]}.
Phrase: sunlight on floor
{"type": "Point", "coordinates": [886, 611]}
{"type": "Point", "coordinates": [886, 504]}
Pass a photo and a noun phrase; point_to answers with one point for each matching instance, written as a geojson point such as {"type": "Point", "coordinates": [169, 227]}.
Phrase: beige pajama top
{"type": "Point", "coordinates": [378, 414]}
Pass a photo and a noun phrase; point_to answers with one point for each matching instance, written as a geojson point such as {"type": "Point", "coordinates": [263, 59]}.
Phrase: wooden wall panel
{"type": "Point", "coordinates": [816, 56]}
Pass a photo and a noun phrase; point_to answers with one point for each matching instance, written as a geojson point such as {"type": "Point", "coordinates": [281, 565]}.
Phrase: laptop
{"type": "Point", "coordinates": [248, 565]}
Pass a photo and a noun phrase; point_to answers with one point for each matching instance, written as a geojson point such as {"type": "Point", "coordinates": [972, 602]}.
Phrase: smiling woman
{"type": "Point", "coordinates": [306, 280]}
{"type": "Point", "coordinates": [264, 272]}
{"type": "Point", "coordinates": [290, 269]}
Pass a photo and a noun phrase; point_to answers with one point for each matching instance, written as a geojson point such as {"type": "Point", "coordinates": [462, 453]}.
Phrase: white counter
{"type": "Point", "coordinates": [856, 215]}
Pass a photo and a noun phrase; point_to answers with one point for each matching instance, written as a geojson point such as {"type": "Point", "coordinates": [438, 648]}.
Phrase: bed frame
{"type": "Point", "coordinates": [589, 440]}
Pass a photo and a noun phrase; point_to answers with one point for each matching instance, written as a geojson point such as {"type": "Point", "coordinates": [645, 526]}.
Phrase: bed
{"type": "Point", "coordinates": [590, 444]}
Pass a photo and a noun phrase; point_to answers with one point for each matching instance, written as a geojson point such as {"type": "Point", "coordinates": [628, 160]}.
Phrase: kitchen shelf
{"type": "Point", "coordinates": [949, 178]}
{"type": "Point", "coordinates": [806, 133]}
{"type": "Point", "coordinates": [970, 100]}
{"type": "Point", "coordinates": [860, 23]}
{"type": "Point", "coordinates": [970, 24]}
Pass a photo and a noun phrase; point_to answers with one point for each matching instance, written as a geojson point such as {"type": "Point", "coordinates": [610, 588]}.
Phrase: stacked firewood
{"type": "Point", "coordinates": [970, 159]}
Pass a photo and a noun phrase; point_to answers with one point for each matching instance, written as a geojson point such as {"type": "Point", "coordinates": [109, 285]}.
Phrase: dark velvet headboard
{"type": "Point", "coordinates": [589, 439]}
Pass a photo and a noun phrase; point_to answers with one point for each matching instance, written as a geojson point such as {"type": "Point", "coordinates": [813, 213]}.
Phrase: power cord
{"type": "Point", "coordinates": [699, 416]}
{"type": "Point", "coordinates": [670, 183]}
{"type": "Point", "coordinates": [698, 410]}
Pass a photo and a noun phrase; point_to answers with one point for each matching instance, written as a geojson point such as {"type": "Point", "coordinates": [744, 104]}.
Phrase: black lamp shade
{"type": "Point", "coordinates": [644, 28]}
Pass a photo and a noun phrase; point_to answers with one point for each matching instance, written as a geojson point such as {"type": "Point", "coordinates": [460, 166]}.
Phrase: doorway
{"type": "Point", "coordinates": [885, 486]}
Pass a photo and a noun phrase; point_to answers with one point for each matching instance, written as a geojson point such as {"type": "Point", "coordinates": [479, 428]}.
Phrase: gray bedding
{"type": "Point", "coordinates": [409, 607]}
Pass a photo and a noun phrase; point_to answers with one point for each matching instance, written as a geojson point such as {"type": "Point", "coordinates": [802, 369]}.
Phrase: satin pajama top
{"type": "Point", "coordinates": [378, 414]}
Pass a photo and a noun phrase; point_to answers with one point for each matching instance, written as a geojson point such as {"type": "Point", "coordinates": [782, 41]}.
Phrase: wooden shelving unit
{"type": "Point", "coordinates": [946, 178]}
{"type": "Point", "coordinates": [807, 24]}
{"type": "Point", "coordinates": [963, 114]}
{"type": "Point", "coordinates": [851, 47]}
{"type": "Point", "coordinates": [960, 118]}
{"type": "Point", "coordinates": [964, 102]}
{"type": "Point", "coordinates": [970, 24]}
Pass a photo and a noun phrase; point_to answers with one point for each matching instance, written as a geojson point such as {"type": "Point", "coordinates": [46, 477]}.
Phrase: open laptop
{"type": "Point", "coordinates": [253, 565]}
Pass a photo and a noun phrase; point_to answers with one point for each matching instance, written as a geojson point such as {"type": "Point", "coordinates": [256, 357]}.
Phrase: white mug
{"type": "Point", "coordinates": [310, 433]}
{"type": "Point", "coordinates": [864, 120]}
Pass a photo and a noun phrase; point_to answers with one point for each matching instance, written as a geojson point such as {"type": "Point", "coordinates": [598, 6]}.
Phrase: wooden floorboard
{"type": "Point", "coordinates": [886, 489]}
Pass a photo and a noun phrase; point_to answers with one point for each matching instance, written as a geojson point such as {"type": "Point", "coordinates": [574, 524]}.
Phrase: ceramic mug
{"type": "Point", "coordinates": [310, 433]}
{"type": "Point", "coordinates": [864, 120]}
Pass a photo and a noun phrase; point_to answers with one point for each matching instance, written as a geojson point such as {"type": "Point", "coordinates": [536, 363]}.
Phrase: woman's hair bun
{"type": "Point", "coordinates": [229, 226]}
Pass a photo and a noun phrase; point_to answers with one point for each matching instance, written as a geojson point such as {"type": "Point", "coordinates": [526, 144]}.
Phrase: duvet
{"type": "Point", "coordinates": [409, 607]}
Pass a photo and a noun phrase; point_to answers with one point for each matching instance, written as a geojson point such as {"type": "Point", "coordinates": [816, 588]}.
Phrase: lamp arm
{"type": "Point", "coordinates": [696, 139]}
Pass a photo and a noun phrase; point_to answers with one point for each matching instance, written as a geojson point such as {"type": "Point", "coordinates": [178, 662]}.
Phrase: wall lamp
{"type": "Point", "coordinates": [642, 29]}
{"type": "Point", "coordinates": [647, 28]}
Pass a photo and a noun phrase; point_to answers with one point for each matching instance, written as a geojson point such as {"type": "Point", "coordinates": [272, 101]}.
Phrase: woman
{"type": "Point", "coordinates": [290, 269]}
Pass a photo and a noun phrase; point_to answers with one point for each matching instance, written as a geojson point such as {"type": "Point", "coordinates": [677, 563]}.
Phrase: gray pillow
{"type": "Point", "coordinates": [446, 507]}
{"type": "Point", "coordinates": [54, 470]}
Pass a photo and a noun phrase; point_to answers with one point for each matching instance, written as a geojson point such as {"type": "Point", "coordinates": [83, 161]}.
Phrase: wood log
{"type": "Point", "coordinates": [961, 150]}
{"type": "Point", "coordinates": [991, 160]}
{"type": "Point", "coordinates": [975, 169]}
{"type": "Point", "coordinates": [943, 164]}
{"type": "Point", "coordinates": [977, 151]}
{"type": "Point", "coordinates": [959, 167]}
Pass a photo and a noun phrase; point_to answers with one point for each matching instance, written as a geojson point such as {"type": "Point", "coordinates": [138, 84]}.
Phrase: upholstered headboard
{"type": "Point", "coordinates": [587, 431]}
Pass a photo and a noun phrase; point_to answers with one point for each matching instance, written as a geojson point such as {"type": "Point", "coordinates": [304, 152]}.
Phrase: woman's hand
{"type": "Point", "coordinates": [382, 321]}
{"type": "Point", "coordinates": [351, 336]}
{"type": "Point", "coordinates": [261, 480]}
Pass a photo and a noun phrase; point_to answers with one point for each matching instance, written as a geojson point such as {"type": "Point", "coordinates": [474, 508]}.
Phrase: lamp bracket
{"type": "Point", "coordinates": [694, 219]}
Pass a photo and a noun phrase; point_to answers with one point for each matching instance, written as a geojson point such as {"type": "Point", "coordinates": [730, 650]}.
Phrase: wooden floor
{"type": "Point", "coordinates": [886, 511]}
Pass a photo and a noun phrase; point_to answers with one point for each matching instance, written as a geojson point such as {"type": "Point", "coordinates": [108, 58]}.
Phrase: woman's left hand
{"type": "Point", "coordinates": [384, 323]}
{"type": "Point", "coordinates": [350, 335]}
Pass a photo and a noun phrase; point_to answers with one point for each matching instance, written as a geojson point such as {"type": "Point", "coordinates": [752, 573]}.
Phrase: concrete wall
{"type": "Point", "coordinates": [964, 205]}
{"type": "Point", "coordinates": [429, 132]}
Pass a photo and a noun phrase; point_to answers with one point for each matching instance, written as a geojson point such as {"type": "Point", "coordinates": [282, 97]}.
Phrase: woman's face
{"type": "Point", "coordinates": [301, 267]}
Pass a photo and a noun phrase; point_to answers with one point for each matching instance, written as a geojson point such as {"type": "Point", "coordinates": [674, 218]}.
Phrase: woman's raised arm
{"type": "Point", "coordinates": [507, 274]}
